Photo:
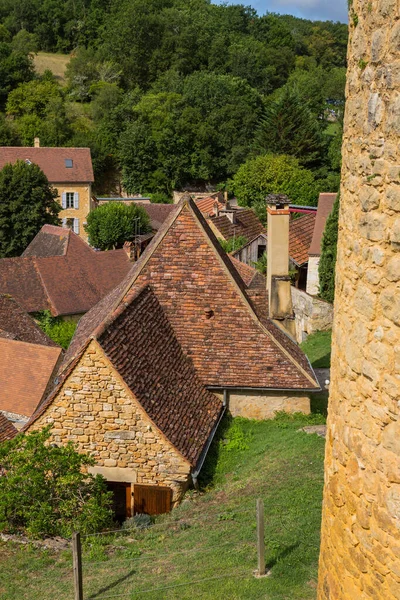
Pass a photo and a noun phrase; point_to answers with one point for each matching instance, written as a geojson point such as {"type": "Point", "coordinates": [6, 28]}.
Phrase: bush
{"type": "Point", "coordinates": [327, 263]}
{"type": "Point", "coordinates": [233, 243]}
{"type": "Point", "coordinates": [44, 491]}
{"type": "Point", "coordinates": [114, 223]}
{"type": "Point", "coordinates": [270, 174]}
{"type": "Point", "coordinates": [60, 331]}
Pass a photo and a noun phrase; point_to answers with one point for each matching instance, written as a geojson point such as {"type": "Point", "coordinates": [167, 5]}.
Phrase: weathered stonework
{"type": "Point", "coordinates": [95, 410]}
{"type": "Point", "coordinates": [313, 275]}
{"type": "Point", "coordinates": [311, 314]}
{"type": "Point", "coordinates": [360, 551]}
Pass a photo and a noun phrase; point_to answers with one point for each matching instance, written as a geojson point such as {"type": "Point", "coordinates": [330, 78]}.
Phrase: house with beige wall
{"type": "Point", "coordinates": [69, 170]}
{"type": "Point", "coordinates": [153, 366]}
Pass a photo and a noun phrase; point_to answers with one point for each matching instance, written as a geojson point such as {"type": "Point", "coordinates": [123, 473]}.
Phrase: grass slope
{"type": "Point", "coordinates": [56, 63]}
{"type": "Point", "coordinates": [211, 536]}
{"type": "Point", "coordinates": [318, 349]}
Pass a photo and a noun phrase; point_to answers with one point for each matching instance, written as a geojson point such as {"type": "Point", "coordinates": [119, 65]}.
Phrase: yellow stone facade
{"type": "Point", "coordinates": [97, 412]}
{"type": "Point", "coordinates": [84, 190]}
{"type": "Point", "coordinates": [360, 551]}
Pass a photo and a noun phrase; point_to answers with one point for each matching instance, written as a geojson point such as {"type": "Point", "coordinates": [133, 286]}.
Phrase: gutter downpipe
{"type": "Point", "coordinates": [200, 464]}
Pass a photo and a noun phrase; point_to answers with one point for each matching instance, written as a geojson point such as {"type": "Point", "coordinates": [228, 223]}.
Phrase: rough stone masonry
{"type": "Point", "coordinates": [360, 552]}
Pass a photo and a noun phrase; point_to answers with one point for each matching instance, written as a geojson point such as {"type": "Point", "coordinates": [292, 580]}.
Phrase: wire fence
{"type": "Point", "coordinates": [104, 562]}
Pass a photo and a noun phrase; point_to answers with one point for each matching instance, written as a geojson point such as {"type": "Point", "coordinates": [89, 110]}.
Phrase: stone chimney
{"type": "Point", "coordinates": [216, 209]}
{"type": "Point", "coordinates": [278, 280]}
{"type": "Point", "coordinates": [36, 143]}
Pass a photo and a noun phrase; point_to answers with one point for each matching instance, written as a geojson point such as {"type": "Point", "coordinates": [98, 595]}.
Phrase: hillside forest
{"type": "Point", "coordinates": [176, 93]}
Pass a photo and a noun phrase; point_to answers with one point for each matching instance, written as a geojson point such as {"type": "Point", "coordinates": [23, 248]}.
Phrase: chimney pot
{"type": "Point", "coordinates": [37, 142]}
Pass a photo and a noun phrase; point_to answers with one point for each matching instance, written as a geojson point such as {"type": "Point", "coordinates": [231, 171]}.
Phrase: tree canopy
{"type": "Point", "coordinates": [327, 263]}
{"type": "Point", "coordinates": [114, 223]}
{"type": "Point", "coordinates": [27, 202]}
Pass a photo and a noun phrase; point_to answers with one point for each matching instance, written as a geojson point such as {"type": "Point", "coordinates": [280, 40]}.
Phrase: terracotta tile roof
{"type": "Point", "coordinates": [25, 373]}
{"type": "Point", "coordinates": [300, 236]}
{"type": "Point", "coordinates": [52, 241]}
{"type": "Point", "coordinates": [143, 348]}
{"type": "Point", "coordinates": [325, 205]}
{"type": "Point", "coordinates": [246, 223]}
{"type": "Point", "coordinates": [65, 284]}
{"type": "Point", "coordinates": [19, 277]}
{"type": "Point", "coordinates": [52, 162]}
{"type": "Point", "coordinates": [207, 205]}
{"type": "Point", "coordinates": [158, 213]}
{"type": "Point", "coordinates": [16, 324]}
{"type": "Point", "coordinates": [7, 429]}
{"type": "Point", "coordinates": [209, 308]}
{"type": "Point", "coordinates": [246, 272]}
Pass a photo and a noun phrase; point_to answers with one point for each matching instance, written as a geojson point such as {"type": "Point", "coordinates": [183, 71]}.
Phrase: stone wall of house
{"type": "Point", "coordinates": [360, 551]}
{"type": "Point", "coordinates": [255, 405]}
{"type": "Point", "coordinates": [311, 314]}
{"type": "Point", "coordinates": [313, 275]}
{"type": "Point", "coordinates": [85, 204]}
{"type": "Point", "coordinates": [96, 411]}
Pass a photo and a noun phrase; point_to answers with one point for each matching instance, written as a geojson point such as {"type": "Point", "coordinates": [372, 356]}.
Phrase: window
{"type": "Point", "coordinates": [71, 223]}
{"type": "Point", "coordinates": [69, 199]}
{"type": "Point", "coordinates": [69, 163]}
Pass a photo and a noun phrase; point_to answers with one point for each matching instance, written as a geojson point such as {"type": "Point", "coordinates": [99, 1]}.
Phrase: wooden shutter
{"type": "Point", "coordinates": [64, 200]}
{"type": "Point", "coordinates": [151, 499]}
{"type": "Point", "coordinates": [76, 200]}
{"type": "Point", "coordinates": [76, 226]}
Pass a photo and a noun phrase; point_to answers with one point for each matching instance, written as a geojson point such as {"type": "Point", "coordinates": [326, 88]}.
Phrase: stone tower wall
{"type": "Point", "coordinates": [360, 552]}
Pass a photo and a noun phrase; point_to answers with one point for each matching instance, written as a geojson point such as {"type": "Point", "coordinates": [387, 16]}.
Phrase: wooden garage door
{"type": "Point", "coordinates": [151, 499]}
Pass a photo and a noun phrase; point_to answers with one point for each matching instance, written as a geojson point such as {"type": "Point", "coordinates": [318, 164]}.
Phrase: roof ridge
{"type": "Point", "coordinates": [247, 301]}
{"type": "Point", "coordinates": [46, 291]}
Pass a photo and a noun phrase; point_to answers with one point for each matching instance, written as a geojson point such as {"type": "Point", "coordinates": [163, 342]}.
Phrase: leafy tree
{"type": "Point", "coordinates": [270, 174]}
{"type": "Point", "coordinates": [114, 223]}
{"type": "Point", "coordinates": [44, 489]}
{"type": "Point", "coordinates": [32, 97]}
{"type": "Point", "coordinates": [233, 243]}
{"type": "Point", "coordinates": [15, 68]}
{"type": "Point", "coordinates": [27, 202]}
{"type": "Point", "coordinates": [289, 127]}
{"type": "Point", "coordinates": [159, 198]}
{"type": "Point", "coordinates": [25, 42]}
{"type": "Point", "coordinates": [261, 264]}
{"type": "Point", "coordinates": [327, 263]}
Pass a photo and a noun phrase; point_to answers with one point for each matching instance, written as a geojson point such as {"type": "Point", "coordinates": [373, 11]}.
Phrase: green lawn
{"type": "Point", "coordinates": [318, 349]}
{"type": "Point", "coordinates": [211, 536]}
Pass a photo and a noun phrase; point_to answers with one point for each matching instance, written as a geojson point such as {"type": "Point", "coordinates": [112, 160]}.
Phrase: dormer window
{"type": "Point", "coordinates": [69, 163]}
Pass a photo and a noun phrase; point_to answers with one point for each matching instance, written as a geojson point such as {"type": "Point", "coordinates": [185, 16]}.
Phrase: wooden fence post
{"type": "Point", "coordinates": [77, 560]}
{"type": "Point", "coordinates": [260, 538]}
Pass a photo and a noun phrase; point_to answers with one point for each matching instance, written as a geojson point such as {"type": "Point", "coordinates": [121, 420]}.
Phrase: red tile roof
{"type": "Point", "coordinates": [52, 162]}
{"type": "Point", "coordinates": [246, 223]}
{"type": "Point", "coordinates": [25, 373]}
{"type": "Point", "coordinates": [16, 324]}
{"type": "Point", "coordinates": [68, 283]}
{"type": "Point", "coordinates": [207, 205]}
{"type": "Point", "coordinates": [325, 205]}
{"type": "Point", "coordinates": [158, 213]}
{"type": "Point", "coordinates": [7, 429]}
{"type": "Point", "coordinates": [209, 308]}
{"type": "Point", "coordinates": [143, 348]}
{"type": "Point", "coordinates": [300, 236]}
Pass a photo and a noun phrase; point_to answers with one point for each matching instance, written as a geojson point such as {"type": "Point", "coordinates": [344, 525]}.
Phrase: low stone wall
{"type": "Point", "coordinates": [255, 405]}
{"type": "Point", "coordinates": [95, 410]}
{"type": "Point", "coordinates": [311, 314]}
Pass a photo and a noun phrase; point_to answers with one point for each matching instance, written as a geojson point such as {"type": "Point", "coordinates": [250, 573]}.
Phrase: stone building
{"type": "Point", "coordinates": [69, 170]}
{"type": "Point", "coordinates": [151, 368]}
{"type": "Point", "coordinates": [325, 205]}
{"type": "Point", "coordinates": [360, 552]}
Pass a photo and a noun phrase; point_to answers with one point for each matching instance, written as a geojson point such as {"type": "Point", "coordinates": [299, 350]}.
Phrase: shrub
{"type": "Point", "coordinates": [233, 243]}
{"type": "Point", "coordinates": [60, 331]}
{"type": "Point", "coordinates": [45, 491]}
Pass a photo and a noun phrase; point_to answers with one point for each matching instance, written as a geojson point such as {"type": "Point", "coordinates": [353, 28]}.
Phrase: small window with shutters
{"type": "Point", "coordinates": [76, 226]}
